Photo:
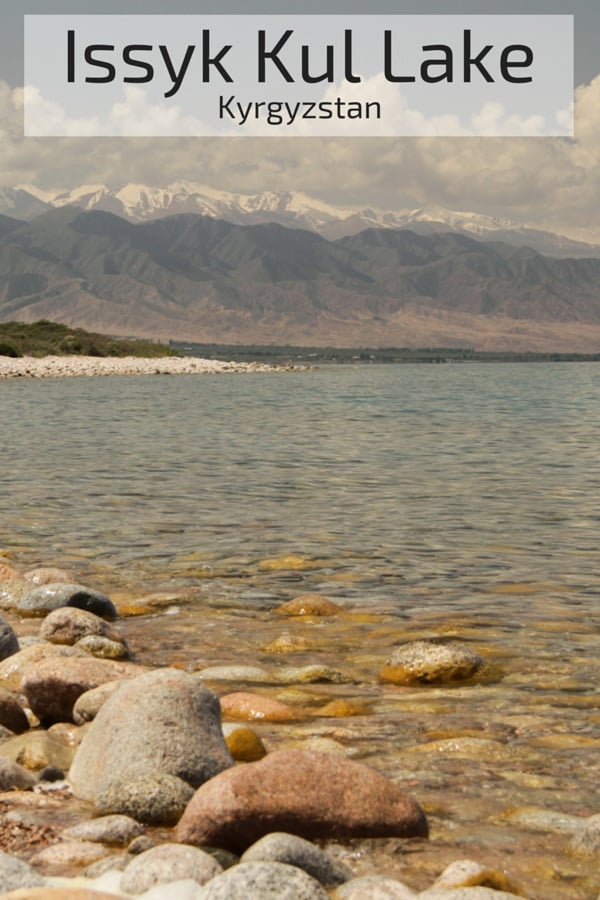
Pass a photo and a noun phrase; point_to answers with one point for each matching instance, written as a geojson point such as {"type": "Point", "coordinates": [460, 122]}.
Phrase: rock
{"type": "Point", "coordinates": [12, 715]}
{"type": "Point", "coordinates": [374, 887]}
{"type": "Point", "coordinates": [8, 573]}
{"type": "Point", "coordinates": [243, 706]}
{"type": "Point", "coordinates": [102, 647]}
{"type": "Point", "coordinates": [467, 893]}
{"type": "Point", "coordinates": [341, 709]}
{"type": "Point", "coordinates": [287, 643]}
{"type": "Point", "coordinates": [114, 863]}
{"type": "Point", "coordinates": [62, 858]}
{"type": "Point", "coordinates": [166, 863]}
{"type": "Point", "coordinates": [12, 591]}
{"type": "Point", "coordinates": [67, 625]}
{"type": "Point", "coordinates": [467, 747]}
{"type": "Point", "coordinates": [544, 820]}
{"type": "Point", "coordinates": [586, 841]}
{"type": "Point", "coordinates": [428, 662]}
{"type": "Point", "coordinates": [38, 749]}
{"type": "Point", "coordinates": [53, 686]}
{"type": "Point", "coordinates": [264, 880]}
{"type": "Point", "coordinates": [8, 640]}
{"type": "Point", "coordinates": [14, 874]}
{"type": "Point", "coordinates": [48, 597]}
{"type": "Point", "coordinates": [295, 851]}
{"type": "Point", "coordinates": [116, 830]}
{"type": "Point", "coordinates": [313, 795]}
{"type": "Point", "coordinates": [5, 734]}
{"type": "Point", "coordinates": [89, 704]}
{"type": "Point", "coordinates": [12, 775]}
{"type": "Point", "coordinates": [243, 743]}
{"type": "Point", "coordinates": [153, 742]}
{"type": "Point", "coordinates": [309, 675]}
{"type": "Point", "coordinates": [13, 669]}
{"type": "Point", "coordinates": [184, 889]}
{"type": "Point", "coordinates": [48, 575]}
{"type": "Point", "coordinates": [468, 873]}
{"type": "Point", "coordinates": [309, 605]}
{"type": "Point", "coordinates": [236, 673]}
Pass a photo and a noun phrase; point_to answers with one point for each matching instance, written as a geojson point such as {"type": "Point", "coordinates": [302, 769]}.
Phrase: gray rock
{"type": "Point", "coordinates": [89, 704]}
{"type": "Point", "coordinates": [186, 889]}
{"type": "Point", "coordinates": [431, 662]}
{"type": "Point", "coordinates": [374, 887]}
{"type": "Point", "coordinates": [263, 881]}
{"type": "Point", "coordinates": [115, 863]}
{"type": "Point", "coordinates": [15, 874]}
{"type": "Point", "coordinates": [114, 830]}
{"type": "Point", "coordinates": [8, 640]}
{"type": "Point", "coordinates": [295, 851]}
{"type": "Point", "coordinates": [12, 775]}
{"type": "Point", "coordinates": [166, 863]}
{"type": "Point", "coordinates": [68, 624]}
{"type": "Point", "coordinates": [155, 740]}
{"type": "Point", "coordinates": [48, 597]}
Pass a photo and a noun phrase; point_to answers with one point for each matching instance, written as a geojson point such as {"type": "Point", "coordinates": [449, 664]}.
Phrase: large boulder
{"type": "Point", "coordinates": [313, 795]}
{"type": "Point", "coordinates": [153, 742]}
{"type": "Point", "coordinates": [52, 686]}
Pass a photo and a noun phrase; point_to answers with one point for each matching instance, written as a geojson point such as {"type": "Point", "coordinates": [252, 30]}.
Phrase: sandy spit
{"type": "Point", "coordinates": [68, 366]}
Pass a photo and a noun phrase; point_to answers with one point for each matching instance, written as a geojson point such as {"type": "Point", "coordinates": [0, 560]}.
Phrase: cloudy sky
{"type": "Point", "coordinates": [549, 182]}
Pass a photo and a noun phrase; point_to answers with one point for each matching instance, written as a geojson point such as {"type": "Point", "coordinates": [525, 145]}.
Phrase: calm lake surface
{"type": "Point", "coordinates": [456, 501]}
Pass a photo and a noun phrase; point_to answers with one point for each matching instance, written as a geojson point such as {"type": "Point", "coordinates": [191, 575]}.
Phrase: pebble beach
{"type": "Point", "coordinates": [71, 366]}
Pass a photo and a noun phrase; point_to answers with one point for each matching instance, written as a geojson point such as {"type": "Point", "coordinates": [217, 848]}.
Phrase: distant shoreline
{"type": "Point", "coordinates": [72, 366]}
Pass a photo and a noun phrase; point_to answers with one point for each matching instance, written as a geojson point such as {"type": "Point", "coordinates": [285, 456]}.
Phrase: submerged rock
{"type": "Point", "coordinates": [155, 740]}
{"type": "Point", "coordinates": [305, 793]}
{"type": "Point", "coordinates": [244, 706]}
{"type": "Point", "coordinates": [429, 662]}
{"type": "Point", "coordinates": [309, 605]}
{"type": "Point", "coordinates": [243, 743]}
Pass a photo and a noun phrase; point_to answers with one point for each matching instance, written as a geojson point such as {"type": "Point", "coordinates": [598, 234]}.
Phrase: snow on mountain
{"type": "Point", "coordinates": [140, 203]}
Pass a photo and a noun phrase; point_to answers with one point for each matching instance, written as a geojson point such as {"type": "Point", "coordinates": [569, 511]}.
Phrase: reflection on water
{"type": "Point", "coordinates": [440, 500]}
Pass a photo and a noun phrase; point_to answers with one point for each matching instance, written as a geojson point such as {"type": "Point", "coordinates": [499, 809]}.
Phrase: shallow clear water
{"type": "Point", "coordinates": [451, 500]}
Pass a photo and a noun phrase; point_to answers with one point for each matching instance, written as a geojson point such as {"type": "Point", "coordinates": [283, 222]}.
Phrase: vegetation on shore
{"type": "Point", "coordinates": [45, 338]}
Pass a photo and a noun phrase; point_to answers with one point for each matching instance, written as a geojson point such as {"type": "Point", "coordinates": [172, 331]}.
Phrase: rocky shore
{"type": "Point", "coordinates": [121, 780]}
{"type": "Point", "coordinates": [69, 366]}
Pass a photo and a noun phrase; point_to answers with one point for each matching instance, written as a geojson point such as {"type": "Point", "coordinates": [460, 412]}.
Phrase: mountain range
{"type": "Point", "coordinates": [143, 203]}
{"type": "Point", "coordinates": [200, 278]}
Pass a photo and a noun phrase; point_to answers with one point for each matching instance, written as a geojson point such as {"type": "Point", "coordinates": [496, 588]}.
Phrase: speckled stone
{"type": "Point", "coordinates": [430, 662]}
{"type": "Point", "coordinates": [295, 851]}
{"type": "Point", "coordinates": [113, 830]}
{"type": "Point", "coordinates": [167, 863]}
{"type": "Point", "coordinates": [267, 880]}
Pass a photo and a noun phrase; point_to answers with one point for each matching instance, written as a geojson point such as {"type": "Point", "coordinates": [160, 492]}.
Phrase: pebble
{"type": "Point", "coordinates": [244, 706]}
{"type": "Point", "coordinates": [264, 880]}
{"type": "Point", "coordinates": [295, 851]}
{"type": "Point", "coordinates": [167, 863]}
{"type": "Point", "coordinates": [102, 647]}
{"type": "Point", "coordinates": [114, 830]}
{"type": "Point", "coordinates": [243, 743]}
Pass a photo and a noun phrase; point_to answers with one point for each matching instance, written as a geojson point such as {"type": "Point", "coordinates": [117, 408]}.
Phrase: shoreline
{"type": "Point", "coordinates": [71, 366]}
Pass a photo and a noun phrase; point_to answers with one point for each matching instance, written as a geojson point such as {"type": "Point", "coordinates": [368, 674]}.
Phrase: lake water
{"type": "Point", "coordinates": [450, 501]}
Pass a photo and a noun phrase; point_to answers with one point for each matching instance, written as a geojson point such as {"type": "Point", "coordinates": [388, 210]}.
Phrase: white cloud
{"type": "Point", "coordinates": [549, 182]}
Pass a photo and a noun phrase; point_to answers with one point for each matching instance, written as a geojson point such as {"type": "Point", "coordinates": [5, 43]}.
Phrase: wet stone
{"type": "Point", "coordinates": [430, 662]}
{"type": "Point", "coordinates": [102, 647]}
{"type": "Point", "coordinates": [243, 743]}
{"type": "Point", "coordinates": [468, 873]}
{"type": "Point", "coordinates": [586, 841]}
{"type": "Point", "coordinates": [48, 597]}
{"type": "Point", "coordinates": [243, 706]}
{"type": "Point", "coordinates": [309, 605]}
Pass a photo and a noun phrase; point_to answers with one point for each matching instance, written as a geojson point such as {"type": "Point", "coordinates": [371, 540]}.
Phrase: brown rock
{"type": "Point", "coordinates": [68, 625]}
{"type": "Point", "coordinates": [11, 712]}
{"type": "Point", "coordinates": [244, 706]}
{"type": "Point", "coordinates": [88, 705]}
{"type": "Point", "coordinates": [14, 668]}
{"type": "Point", "coordinates": [309, 605]}
{"type": "Point", "coordinates": [243, 743]}
{"type": "Point", "coordinates": [52, 686]}
{"type": "Point", "coordinates": [314, 795]}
